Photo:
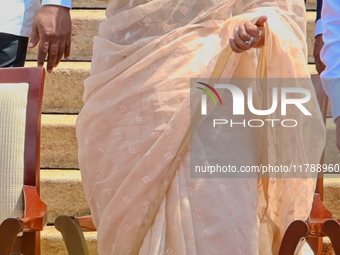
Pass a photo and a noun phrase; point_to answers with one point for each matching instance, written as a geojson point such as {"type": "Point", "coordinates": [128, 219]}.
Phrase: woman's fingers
{"type": "Point", "coordinates": [243, 34]}
{"type": "Point", "coordinates": [248, 35]}
{"type": "Point", "coordinates": [256, 29]}
{"type": "Point", "coordinates": [243, 41]}
{"type": "Point", "coordinates": [260, 22]}
{"type": "Point", "coordinates": [234, 47]}
{"type": "Point", "coordinates": [252, 29]}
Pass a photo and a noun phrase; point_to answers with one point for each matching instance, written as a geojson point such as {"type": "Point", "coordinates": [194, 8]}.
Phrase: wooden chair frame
{"type": "Point", "coordinates": [72, 229]}
{"type": "Point", "coordinates": [35, 216]}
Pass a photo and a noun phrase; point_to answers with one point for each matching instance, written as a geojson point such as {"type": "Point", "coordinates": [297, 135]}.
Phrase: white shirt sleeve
{"type": "Point", "coordinates": [330, 53]}
{"type": "Point", "coordinates": [318, 27]}
{"type": "Point", "coordinates": [65, 3]}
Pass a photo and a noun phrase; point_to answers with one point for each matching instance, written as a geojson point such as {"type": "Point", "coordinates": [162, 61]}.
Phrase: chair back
{"type": "Point", "coordinates": [20, 118]}
{"type": "Point", "coordinates": [13, 104]}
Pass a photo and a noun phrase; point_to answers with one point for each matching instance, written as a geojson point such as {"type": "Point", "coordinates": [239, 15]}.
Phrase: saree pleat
{"type": "Point", "coordinates": [133, 129]}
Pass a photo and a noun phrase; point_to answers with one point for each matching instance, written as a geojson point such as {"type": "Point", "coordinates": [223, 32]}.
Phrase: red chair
{"type": "Point", "coordinates": [20, 100]}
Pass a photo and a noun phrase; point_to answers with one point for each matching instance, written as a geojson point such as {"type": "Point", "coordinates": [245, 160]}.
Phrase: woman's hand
{"type": "Point", "coordinates": [248, 35]}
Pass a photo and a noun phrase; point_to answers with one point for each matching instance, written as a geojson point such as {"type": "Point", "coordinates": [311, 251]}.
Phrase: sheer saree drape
{"type": "Point", "coordinates": [137, 111]}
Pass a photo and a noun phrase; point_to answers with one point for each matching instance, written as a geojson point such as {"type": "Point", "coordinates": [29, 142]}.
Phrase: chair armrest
{"type": "Point", "coordinates": [35, 216]}
{"type": "Point", "coordinates": [317, 217]}
{"type": "Point", "coordinates": [332, 230]}
{"type": "Point", "coordinates": [86, 223]}
{"type": "Point", "coordinates": [72, 233]}
{"type": "Point", "coordinates": [319, 211]}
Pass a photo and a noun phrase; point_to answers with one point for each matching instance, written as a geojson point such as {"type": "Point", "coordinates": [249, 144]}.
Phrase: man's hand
{"type": "Point", "coordinates": [318, 44]}
{"type": "Point", "coordinates": [52, 26]}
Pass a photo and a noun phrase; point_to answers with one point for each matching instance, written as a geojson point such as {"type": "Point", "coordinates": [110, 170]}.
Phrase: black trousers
{"type": "Point", "coordinates": [13, 50]}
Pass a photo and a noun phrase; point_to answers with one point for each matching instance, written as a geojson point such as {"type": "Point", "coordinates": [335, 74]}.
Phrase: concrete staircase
{"type": "Point", "coordinates": [61, 187]}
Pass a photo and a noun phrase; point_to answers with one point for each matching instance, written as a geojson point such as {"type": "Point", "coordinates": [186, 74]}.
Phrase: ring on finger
{"type": "Point", "coordinates": [250, 41]}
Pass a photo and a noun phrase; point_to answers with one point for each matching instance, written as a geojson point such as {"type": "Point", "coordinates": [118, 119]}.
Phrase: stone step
{"type": "Point", "coordinates": [86, 23]}
{"type": "Point", "coordinates": [93, 4]}
{"type": "Point", "coordinates": [332, 154]}
{"type": "Point", "coordinates": [311, 5]}
{"type": "Point", "coordinates": [52, 242]}
{"type": "Point", "coordinates": [59, 144]}
{"type": "Point", "coordinates": [332, 194]}
{"type": "Point", "coordinates": [327, 247]}
{"type": "Point", "coordinates": [311, 16]}
{"type": "Point", "coordinates": [62, 192]}
{"type": "Point", "coordinates": [64, 87]}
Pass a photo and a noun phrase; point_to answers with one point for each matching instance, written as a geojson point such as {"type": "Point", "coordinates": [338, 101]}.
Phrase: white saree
{"type": "Point", "coordinates": [135, 118]}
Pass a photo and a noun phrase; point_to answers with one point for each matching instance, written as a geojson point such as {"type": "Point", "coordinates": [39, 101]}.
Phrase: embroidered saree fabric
{"type": "Point", "coordinates": [137, 112]}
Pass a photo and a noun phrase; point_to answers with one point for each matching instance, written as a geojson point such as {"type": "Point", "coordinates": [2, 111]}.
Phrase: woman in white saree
{"type": "Point", "coordinates": [137, 112]}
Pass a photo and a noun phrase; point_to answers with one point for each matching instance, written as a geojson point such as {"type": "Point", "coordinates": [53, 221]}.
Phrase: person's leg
{"type": "Point", "coordinates": [13, 50]}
